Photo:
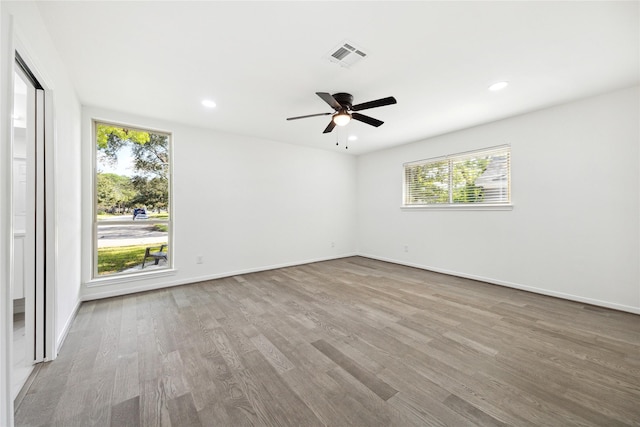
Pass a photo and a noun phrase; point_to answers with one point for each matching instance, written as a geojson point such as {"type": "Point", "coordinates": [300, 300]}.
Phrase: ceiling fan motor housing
{"type": "Point", "coordinates": [344, 99]}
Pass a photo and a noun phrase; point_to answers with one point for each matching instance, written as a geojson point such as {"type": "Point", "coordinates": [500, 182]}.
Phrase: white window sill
{"type": "Point", "coordinates": [457, 207]}
{"type": "Point", "coordinates": [126, 278]}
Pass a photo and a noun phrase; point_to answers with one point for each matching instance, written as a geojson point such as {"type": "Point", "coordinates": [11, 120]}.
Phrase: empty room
{"type": "Point", "coordinates": [292, 213]}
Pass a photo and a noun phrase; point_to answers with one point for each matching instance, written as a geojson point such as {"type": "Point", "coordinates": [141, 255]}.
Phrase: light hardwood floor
{"type": "Point", "coordinates": [345, 342]}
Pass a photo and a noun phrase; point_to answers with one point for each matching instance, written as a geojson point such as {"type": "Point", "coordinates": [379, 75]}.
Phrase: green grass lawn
{"type": "Point", "coordinates": [161, 227]}
{"type": "Point", "coordinates": [161, 215]}
{"type": "Point", "coordinates": [119, 258]}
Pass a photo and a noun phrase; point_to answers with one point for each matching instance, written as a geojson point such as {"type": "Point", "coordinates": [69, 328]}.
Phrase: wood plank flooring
{"type": "Point", "coordinates": [345, 342]}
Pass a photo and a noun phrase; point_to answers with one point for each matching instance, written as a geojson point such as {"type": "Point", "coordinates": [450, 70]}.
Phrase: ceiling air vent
{"type": "Point", "coordinates": [346, 54]}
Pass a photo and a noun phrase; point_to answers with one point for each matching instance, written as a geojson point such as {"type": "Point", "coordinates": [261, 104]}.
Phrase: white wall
{"type": "Point", "coordinates": [37, 49]}
{"type": "Point", "coordinates": [243, 203]}
{"type": "Point", "coordinates": [574, 228]}
{"type": "Point", "coordinates": [31, 39]}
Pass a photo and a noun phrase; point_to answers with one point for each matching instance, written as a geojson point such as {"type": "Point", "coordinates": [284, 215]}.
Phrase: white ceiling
{"type": "Point", "coordinates": [263, 61]}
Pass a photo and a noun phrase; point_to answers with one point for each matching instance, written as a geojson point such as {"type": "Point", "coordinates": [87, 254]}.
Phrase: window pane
{"type": "Point", "coordinates": [132, 211]}
{"type": "Point", "coordinates": [428, 183]}
{"type": "Point", "coordinates": [132, 173]}
{"type": "Point", "coordinates": [122, 247]}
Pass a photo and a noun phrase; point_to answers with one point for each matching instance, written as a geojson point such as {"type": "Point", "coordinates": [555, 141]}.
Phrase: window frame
{"type": "Point", "coordinates": [451, 159]}
{"type": "Point", "coordinates": [95, 278]}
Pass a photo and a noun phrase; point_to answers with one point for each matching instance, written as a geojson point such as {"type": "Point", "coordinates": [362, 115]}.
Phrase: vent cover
{"type": "Point", "coordinates": [346, 54]}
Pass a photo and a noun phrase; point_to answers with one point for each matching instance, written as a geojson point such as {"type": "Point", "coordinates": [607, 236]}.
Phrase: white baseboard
{"type": "Point", "coordinates": [65, 330]}
{"type": "Point", "coordinates": [542, 291]}
{"type": "Point", "coordinates": [153, 286]}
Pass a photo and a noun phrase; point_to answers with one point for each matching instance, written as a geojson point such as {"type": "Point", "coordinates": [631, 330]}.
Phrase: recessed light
{"type": "Point", "coordinates": [353, 138]}
{"type": "Point", "coordinates": [498, 86]}
{"type": "Point", "coordinates": [208, 103]}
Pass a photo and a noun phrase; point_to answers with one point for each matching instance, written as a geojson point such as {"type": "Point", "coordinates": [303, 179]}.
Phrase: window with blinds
{"type": "Point", "coordinates": [474, 178]}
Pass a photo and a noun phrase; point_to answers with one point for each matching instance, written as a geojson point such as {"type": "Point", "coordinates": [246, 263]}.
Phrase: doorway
{"type": "Point", "coordinates": [29, 266]}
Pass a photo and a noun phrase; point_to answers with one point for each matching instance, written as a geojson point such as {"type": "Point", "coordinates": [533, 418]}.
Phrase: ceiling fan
{"type": "Point", "coordinates": [342, 103]}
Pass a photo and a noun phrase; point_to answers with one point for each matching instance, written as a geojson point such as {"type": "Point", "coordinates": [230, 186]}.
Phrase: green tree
{"type": "Point", "coordinates": [111, 139]}
{"type": "Point", "coordinates": [151, 163]}
{"type": "Point", "coordinates": [106, 135]}
{"type": "Point", "coordinates": [465, 174]}
{"type": "Point", "coordinates": [151, 192]}
{"type": "Point", "coordinates": [114, 192]}
{"type": "Point", "coordinates": [436, 182]}
{"type": "Point", "coordinates": [152, 157]}
{"type": "Point", "coordinates": [428, 183]}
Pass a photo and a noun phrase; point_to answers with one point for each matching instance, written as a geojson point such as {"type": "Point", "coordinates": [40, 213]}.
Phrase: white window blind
{"type": "Point", "coordinates": [473, 178]}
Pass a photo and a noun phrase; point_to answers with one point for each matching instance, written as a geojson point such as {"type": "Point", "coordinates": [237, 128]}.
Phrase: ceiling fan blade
{"type": "Point", "coordinates": [366, 119]}
{"type": "Point", "coordinates": [373, 104]}
{"type": "Point", "coordinates": [310, 115]}
{"type": "Point", "coordinates": [329, 99]}
{"type": "Point", "coordinates": [329, 127]}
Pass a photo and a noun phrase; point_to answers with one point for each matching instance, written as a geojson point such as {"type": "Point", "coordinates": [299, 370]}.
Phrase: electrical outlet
{"type": "Point", "coordinates": [199, 259]}
{"type": "Point", "coordinates": [333, 244]}
{"type": "Point", "coordinates": [406, 248]}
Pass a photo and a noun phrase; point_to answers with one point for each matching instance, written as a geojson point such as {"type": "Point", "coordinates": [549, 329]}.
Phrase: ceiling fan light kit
{"type": "Point", "coordinates": [342, 103]}
{"type": "Point", "coordinates": [342, 118]}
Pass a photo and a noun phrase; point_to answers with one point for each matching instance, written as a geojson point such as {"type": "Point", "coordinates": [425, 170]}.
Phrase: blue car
{"type": "Point", "coordinates": [140, 213]}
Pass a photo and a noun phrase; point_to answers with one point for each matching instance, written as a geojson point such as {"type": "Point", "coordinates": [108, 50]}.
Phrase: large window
{"type": "Point", "coordinates": [132, 209]}
{"type": "Point", "coordinates": [473, 178]}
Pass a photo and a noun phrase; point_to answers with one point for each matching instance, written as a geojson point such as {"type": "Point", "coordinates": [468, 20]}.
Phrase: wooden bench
{"type": "Point", "coordinates": [157, 256]}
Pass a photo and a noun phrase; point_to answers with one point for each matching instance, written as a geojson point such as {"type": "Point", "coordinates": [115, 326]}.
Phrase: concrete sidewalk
{"type": "Point", "coordinates": [148, 266]}
{"type": "Point", "coordinates": [129, 235]}
{"type": "Point", "coordinates": [105, 242]}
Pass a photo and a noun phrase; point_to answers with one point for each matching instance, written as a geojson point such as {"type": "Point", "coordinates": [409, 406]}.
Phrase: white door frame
{"type": "Point", "coordinates": [34, 245]}
{"type": "Point", "coordinates": [45, 233]}
{"type": "Point", "coordinates": [9, 41]}
{"type": "Point", "coordinates": [40, 237]}
{"type": "Point", "coordinates": [6, 218]}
